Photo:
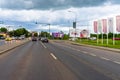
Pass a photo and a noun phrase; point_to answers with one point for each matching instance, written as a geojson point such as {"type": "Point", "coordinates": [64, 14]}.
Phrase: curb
{"type": "Point", "coordinates": [1, 52]}
{"type": "Point", "coordinates": [97, 47]}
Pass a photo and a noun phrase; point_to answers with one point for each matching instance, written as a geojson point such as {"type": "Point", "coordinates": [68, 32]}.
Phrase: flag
{"type": "Point", "coordinates": [118, 23]}
{"type": "Point", "coordinates": [100, 26]}
{"type": "Point", "coordinates": [95, 26]}
{"type": "Point", "coordinates": [104, 25]}
{"type": "Point", "coordinates": [110, 25]}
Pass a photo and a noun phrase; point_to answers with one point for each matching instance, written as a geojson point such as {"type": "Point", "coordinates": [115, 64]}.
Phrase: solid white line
{"type": "Point", "coordinates": [43, 45]}
{"type": "Point", "coordinates": [105, 58]}
{"type": "Point", "coordinates": [116, 62]}
{"type": "Point", "coordinates": [53, 56]}
{"type": "Point", "coordinates": [92, 54]}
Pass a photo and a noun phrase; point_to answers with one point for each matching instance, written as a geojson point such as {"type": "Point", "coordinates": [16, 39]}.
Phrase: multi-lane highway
{"type": "Point", "coordinates": [59, 60]}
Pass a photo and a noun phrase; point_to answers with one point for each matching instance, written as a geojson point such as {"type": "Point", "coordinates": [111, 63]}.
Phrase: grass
{"type": "Point", "coordinates": [104, 44]}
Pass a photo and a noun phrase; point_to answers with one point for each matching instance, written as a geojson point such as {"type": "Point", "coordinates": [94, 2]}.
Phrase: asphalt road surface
{"type": "Point", "coordinates": [59, 61]}
{"type": "Point", "coordinates": [2, 42]}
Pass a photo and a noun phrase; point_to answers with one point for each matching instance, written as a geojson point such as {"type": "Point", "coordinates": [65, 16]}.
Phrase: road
{"type": "Point", "coordinates": [2, 42]}
{"type": "Point", "coordinates": [59, 60]}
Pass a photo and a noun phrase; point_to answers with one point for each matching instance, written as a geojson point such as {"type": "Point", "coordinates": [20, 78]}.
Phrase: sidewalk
{"type": "Point", "coordinates": [11, 45]}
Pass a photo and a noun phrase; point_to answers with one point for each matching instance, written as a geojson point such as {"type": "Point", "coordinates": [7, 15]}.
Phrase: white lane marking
{"type": "Point", "coordinates": [92, 54]}
{"type": "Point", "coordinates": [43, 45]}
{"type": "Point", "coordinates": [84, 51]}
{"type": "Point", "coordinates": [116, 62]}
{"type": "Point", "coordinates": [53, 56]}
{"type": "Point", "coordinates": [105, 58]}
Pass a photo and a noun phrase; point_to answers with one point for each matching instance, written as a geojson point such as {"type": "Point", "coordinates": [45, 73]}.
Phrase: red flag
{"type": "Point", "coordinates": [118, 23]}
{"type": "Point", "coordinates": [104, 25]}
{"type": "Point", "coordinates": [95, 26]}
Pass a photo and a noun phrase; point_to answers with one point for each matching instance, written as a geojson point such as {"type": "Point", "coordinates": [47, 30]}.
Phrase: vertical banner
{"type": "Point", "coordinates": [110, 25]}
{"type": "Point", "coordinates": [100, 29]}
{"type": "Point", "coordinates": [95, 24]}
{"type": "Point", "coordinates": [105, 28]}
{"type": "Point", "coordinates": [104, 25]}
{"type": "Point", "coordinates": [99, 26]}
{"type": "Point", "coordinates": [118, 23]}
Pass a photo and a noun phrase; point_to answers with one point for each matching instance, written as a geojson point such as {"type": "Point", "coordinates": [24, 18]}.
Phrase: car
{"type": "Point", "coordinates": [34, 38]}
{"type": "Point", "coordinates": [8, 39]}
{"type": "Point", "coordinates": [44, 40]}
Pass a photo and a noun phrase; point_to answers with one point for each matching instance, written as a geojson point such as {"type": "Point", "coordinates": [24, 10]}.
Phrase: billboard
{"type": "Point", "coordinates": [84, 33]}
{"type": "Point", "coordinates": [57, 35]}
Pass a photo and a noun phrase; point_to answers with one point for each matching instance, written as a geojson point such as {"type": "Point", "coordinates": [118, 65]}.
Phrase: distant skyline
{"type": "Point", "coordinates": [26, 12]}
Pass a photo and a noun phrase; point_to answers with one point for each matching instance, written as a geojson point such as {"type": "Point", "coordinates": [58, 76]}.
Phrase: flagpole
{"type": "Point", "coordinates": [102, 30]}
{"type": "Point", "coordinates": [102, 37]}
{"type": "Point", "coordinates": [107, 36]}
{"type": "Point", "coordinates": [107, 33]}
{"type": "Point", "coordinates": [97, 37]}
{"type": "Point", "coordinates": [113, 38]}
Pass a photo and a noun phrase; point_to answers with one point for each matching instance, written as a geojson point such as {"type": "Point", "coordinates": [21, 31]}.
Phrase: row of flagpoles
{"type": "Point", "coordinates": [105, 26]}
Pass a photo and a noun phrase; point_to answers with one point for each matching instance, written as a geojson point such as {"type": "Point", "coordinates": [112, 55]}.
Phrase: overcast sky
{"type": "Point", "coordinates": [56, 12]}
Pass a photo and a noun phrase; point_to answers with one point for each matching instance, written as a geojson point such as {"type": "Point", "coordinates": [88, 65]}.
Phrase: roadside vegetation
{"type": "Point", "coordinates": [111, 43]}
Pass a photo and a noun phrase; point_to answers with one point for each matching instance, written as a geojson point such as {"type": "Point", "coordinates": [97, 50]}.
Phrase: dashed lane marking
{"type": "Point", "coordinates": [54, 57]}
{"type": "Point", "coordinates": [43, 45]}
{"type": "Point", "coordinates": [116, 62]}
{"type": "Point", "coordinates": [92, 54]}
{"type": "Point", "coordinates": [105, 58]}
{"type": "Point", "coordinates": [84, 51]}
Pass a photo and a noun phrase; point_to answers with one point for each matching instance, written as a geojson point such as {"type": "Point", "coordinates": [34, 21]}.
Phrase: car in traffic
{"type": "Point", "coordinates": [8, 39]}
{"type": "Point", "coordinates": [44, 39]}
{"type": "Point", "coordinates": [34, 38]}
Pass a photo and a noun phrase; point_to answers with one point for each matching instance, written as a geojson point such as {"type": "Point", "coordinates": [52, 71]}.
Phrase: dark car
{"type": "Point", "coordinates": [34, 39]}
{"type": "Point", "coordinates": [44, 40]}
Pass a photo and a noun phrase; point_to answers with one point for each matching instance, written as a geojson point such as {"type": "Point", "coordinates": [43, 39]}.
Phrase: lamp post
{"type": "Point", "coordinates": [74, 22]}
{"type": "Point", "coordinates": [49, 30]}
{"type": "Point", "coordinates": [45, 24]}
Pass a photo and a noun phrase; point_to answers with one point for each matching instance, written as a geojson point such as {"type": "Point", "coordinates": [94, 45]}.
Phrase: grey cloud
{"type": "Point", "coordinates": [50, 4]}
{"type": "Point", "coordinates": [114, 1]}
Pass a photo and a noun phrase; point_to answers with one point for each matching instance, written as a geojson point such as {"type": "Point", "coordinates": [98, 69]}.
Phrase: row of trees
{"type": "Point", "coordinates": [17, 32]}
{"type": "Point", "coordinates": [46, 34]}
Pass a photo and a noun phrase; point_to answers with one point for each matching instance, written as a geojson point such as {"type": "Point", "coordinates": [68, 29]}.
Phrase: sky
{"type": "Point", "coordinates": [58, 13]}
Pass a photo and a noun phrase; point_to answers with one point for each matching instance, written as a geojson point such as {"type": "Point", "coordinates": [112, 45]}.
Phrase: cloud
{"type": "Point", "coordinates": [28, 11]}
{"type": "Point", "coordinates": [49, 4]}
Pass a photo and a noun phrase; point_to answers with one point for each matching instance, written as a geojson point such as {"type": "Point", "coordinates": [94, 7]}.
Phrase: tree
{"type": "Point", "coordinates": [65, 37]}
{"type": "Point", "coordinates": [44, 34]}
{"type": "Point", "coordinates": [4, 30]}
{"type": "Point", "coordinates": [21, 31]}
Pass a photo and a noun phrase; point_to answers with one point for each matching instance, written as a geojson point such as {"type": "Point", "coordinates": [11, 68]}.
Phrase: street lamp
{"type": "Point", "coordinates": [75, 15]}
{"type": "Point", "coordinates": [74, 22]}
{"type": "Point", "coordinates": [45, 24]}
